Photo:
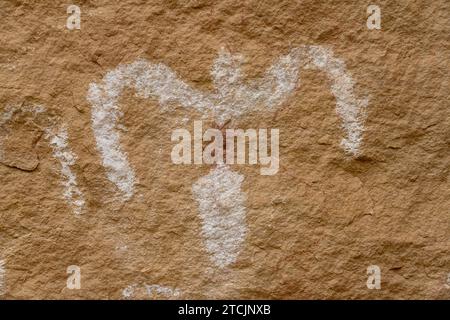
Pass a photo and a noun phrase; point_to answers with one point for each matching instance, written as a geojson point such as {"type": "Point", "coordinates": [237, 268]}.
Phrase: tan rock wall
{"type": "Point", "coordinates": [310, 231]}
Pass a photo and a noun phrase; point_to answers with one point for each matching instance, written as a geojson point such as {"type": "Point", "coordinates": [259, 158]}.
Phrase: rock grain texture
{"type": "Point", "coordinates": [87, 180]}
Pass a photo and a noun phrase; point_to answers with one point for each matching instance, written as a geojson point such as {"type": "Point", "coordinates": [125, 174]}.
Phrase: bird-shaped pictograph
{"type": "Point", "coordinates": [220, 200]}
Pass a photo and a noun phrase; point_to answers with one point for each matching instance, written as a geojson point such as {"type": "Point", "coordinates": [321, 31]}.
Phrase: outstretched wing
{"type": "Point", "coordinates": [149, 80]}
{"type": "Point", "coordinates": [235, 96]}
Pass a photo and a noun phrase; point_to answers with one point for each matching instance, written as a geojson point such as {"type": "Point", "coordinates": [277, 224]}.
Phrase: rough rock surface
{"type": "Point", "coordinates": [309, 231]}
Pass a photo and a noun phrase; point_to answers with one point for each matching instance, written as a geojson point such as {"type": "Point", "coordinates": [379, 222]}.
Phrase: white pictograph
{"type": "Point", "coordinates": [219, 195]}
{"type": "Point", "coordinates": [233, 96]}
{"type": "Point", "coordinates": [57, 137]}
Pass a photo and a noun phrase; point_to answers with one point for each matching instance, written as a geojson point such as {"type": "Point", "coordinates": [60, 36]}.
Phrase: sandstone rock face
{"type": "Point", "coordinates": [87, 178]}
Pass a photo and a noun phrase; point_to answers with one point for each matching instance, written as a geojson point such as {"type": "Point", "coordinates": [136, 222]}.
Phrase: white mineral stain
{"type": "Point", "coordinates": [2, 277]}
{"type": "Point", "coordinates": [57, 138]}
{"type": "Point", "coordinates": [59, 142]}
{"type": "Point", "coordinates": [152, 291]}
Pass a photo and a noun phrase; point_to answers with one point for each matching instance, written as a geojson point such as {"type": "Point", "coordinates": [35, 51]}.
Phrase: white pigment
{"type": "Point", "coordinates": [221, 205]}
{"type": "Point", "coordinates": [232, 97]}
